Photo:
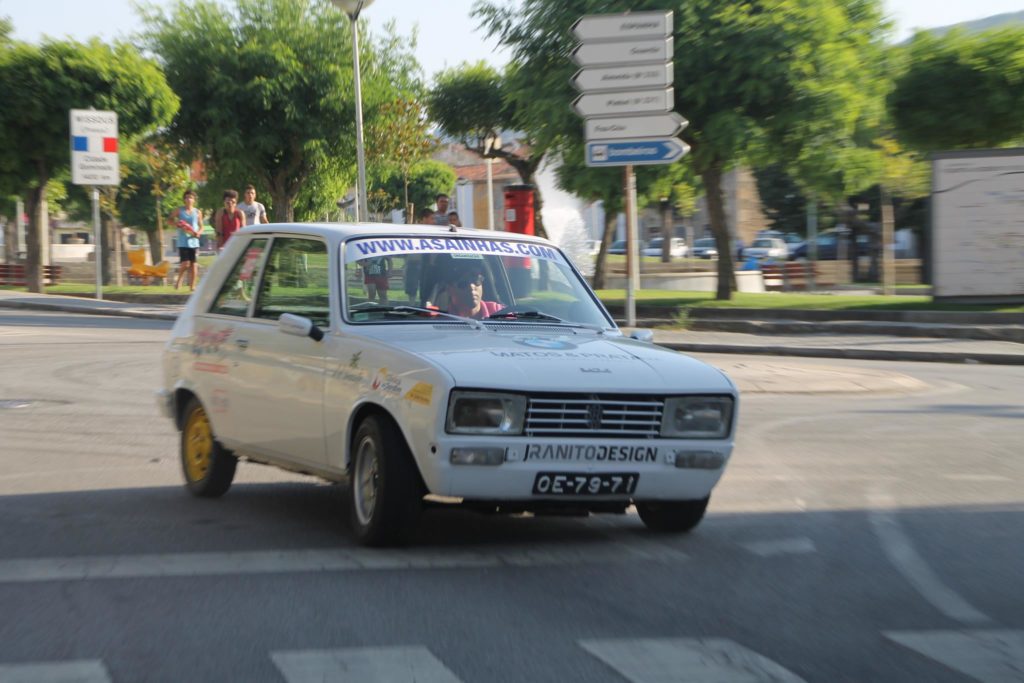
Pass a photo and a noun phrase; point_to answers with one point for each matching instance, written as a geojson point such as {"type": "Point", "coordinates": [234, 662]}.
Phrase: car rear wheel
{"type": "Point", "coordinates": [386, 491]}
{"type": "Point", "coordinates": [209, 468]}
{"type": "Point", "coordinates": [672, 516]}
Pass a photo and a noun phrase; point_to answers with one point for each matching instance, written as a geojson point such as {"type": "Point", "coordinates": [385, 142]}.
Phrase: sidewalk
{"type": "Point", "coordinates": [849, 346]}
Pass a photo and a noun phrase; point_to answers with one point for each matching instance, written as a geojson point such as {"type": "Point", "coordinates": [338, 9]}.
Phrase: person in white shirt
{"type": "Point", "coordinates": [254, 211]}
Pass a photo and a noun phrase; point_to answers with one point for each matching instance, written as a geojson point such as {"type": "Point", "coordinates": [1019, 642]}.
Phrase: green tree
{"type": "Point", "coordinates": [425, 180]}
{"type": "Point", "coordinates": [474, 103]}
{"type": "Point", "coordinates": [267, 90]}
{"type": "Point", "coordinates": [400, 139]}
{"type": "Point", "coordinates": [40, 84]}
{"type": "Point", "coordinates": [780, 72]}
{"type": "Point", "coordinates": [154, 171]}
{"type": "Point", "coordinates": [961, 90]}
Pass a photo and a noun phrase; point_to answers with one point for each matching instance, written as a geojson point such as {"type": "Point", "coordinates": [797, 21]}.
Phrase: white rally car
{"type": "Point", "coordinates": [414, 361]}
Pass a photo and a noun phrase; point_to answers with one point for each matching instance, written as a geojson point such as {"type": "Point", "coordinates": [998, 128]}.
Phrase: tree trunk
{"type": "Point", "coordinates": [713, 192]}
{"type": "Point", "coordinates": [34, 238]}
{"type": "Point", "coordinates": [10, 241]}
{"type": "Point", "coordinates": [666, 232]}
{"type": "Point", "coordinates": [284, 206]}
{"type": "Point", "coordinates": [156, 237]}
{"type": "Point", "coordinates": [107, 250]}
{"type": "Point", "coordinates": [610, 219]}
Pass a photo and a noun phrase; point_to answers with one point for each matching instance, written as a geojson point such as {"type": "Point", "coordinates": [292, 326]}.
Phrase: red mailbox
{"type": "Point", "coordinates": [519, 209]}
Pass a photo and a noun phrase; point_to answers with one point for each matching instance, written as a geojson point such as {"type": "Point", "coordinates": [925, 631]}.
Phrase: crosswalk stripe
{"type": "Point", "coordinates": [77, 671]}
{"type": "Point", "coordinates": [683, 660]}
{"type": "Point", "coordinates": [319, 560]}
{"type": "Point", "coordinates": [989, 656]}
{"type": "Point", "coordinates": [413, 664]}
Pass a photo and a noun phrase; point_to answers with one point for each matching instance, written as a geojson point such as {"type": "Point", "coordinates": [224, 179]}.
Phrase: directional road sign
{"type": "Point", "coordinates": [639, 152]}
{"type": "Point", "coordinates": [622, 53]}
{"type": "Point", "coordinates": [622, 103]}
{"type": "Point", "coordinates": [627, 127]}
{"type": "Point", "coordinates": [94, 158]}
{"type": "Point", "coordinates": [639, 77]}
{"type": "Point", "coordinates": [624, 26]}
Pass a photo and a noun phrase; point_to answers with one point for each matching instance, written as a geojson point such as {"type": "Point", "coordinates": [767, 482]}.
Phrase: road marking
{"type": "Point", "coordinates": [897, 546]}
{"type": "Point", "coordinates": [78, 671]}
{"type": "Point", "coordinates": [783, 546]}
{"type": "Point", "coordinates": [363, 665]}
{"type": "Point", "coordinates": [684, 660]}
{"type": "Point", "coordinates": [988, 656]}
{"type": "Point", "coordinates": [325, 560]}
{"type": "Point", "coordinates": [976, 477]}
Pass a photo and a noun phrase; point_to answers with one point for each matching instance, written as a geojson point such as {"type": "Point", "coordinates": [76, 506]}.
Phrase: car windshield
{"type": "Point", "coordinates": [705, 242]}
{"type": "Point", "coordinates": [762, 243]}
{"type": "Point", "coordinates": [656, 242]}
{"type": "Point", "coordinates": [418, 280]}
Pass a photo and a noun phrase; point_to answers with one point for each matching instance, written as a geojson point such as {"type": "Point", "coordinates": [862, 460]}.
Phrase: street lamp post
{"type": "Point", "coordinates": [352, 8]}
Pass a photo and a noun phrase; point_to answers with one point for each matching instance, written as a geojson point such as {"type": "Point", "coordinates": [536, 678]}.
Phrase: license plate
{"type": "Point", "coordinates": [577, 484]}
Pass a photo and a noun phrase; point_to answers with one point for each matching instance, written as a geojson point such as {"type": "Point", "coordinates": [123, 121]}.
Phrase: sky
{"type": "Point", "coordinates": [447, 36]}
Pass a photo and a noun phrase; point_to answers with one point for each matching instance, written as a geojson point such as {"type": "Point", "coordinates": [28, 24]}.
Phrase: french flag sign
{"type": "Point", "coordinates": [94, 157]}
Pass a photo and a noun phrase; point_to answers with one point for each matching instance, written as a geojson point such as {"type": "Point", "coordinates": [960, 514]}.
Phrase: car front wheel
{"type": "Point", "coordinates": [209, 468]}
{"type": "Point", "coordinates": [386, 492]}
{"type": "Point", "coordinates": [672, 516]}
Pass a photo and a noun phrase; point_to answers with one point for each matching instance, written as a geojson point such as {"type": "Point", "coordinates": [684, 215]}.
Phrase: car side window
{"type": "Point", "coordinates": [296, 280]}
{"type": "Point", "coordinates": [237, 291]}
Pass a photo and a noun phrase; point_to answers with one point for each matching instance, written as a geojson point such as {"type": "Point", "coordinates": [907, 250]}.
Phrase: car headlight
{"type": "Point", "coordinates": [697, 417]}
{"type": "Point", "coordinates": [478, 412]}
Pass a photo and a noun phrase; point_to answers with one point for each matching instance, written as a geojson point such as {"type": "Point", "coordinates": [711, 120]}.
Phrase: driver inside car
{"type": "Point", "coordinates": [464, 287]}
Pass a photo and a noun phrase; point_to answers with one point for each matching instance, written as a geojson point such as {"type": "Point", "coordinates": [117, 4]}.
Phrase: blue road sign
{"type": "Point", "coordinates": [639, 152]}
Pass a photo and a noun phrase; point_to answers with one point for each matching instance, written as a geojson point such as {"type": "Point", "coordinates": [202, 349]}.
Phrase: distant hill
{"type": "Point", "coordinates": [978, 25]}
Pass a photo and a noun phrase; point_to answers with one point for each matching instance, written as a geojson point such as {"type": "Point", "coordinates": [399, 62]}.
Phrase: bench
{"type": "Point", "coordinates": [14, 274]}
{"type": "Point", "coordinates": [789, 275]}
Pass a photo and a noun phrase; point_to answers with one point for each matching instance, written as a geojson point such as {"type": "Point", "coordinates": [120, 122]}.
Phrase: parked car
{"type": "Point", "coordinates": [704, 248]}
{"type": "Point", "coordinates": [828, 246]}
{"type": "Point", "coordinates": [617, 247]}
{"type": "Point", "coordinates": [677, 247]}
{"type": "Point", "coordinates": [766, 248]}
{"type": "Point", "coordinates": [407, 361]}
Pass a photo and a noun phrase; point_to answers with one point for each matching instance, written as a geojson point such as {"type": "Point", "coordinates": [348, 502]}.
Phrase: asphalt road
{"type": "Point", "coordinates": [857, 536]}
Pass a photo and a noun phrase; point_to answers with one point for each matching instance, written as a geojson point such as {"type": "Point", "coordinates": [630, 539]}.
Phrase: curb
{"type": "Point", "coordinates": [92, 310]}
{"type": "Point", "coordinates": [852, 354]}
{"type": "Point", "coordinates": [1004, 333]}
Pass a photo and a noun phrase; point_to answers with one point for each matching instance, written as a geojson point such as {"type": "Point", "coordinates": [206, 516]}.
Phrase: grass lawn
{"type": "Point", "coordinates": [825, 302]}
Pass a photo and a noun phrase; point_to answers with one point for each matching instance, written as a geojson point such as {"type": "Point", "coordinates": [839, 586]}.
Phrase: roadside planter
{"type": "Point", "coordinates": [473, 365]}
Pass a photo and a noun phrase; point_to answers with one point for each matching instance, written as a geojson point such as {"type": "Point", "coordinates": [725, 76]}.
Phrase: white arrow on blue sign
{"type": "Point", "coordinates": [640, 152]}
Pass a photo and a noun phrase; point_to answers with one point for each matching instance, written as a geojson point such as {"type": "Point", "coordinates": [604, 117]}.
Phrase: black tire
{"type": "Point", "coordinates": [672, 516]}
{"type": "Point", "coordinates": [209, 468]}
{"type": "Point", "coordinates": [383, 468]}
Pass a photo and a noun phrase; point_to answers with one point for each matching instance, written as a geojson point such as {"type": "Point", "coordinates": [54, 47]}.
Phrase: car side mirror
{"type": "Point", "coordinates": [642, 335]}
{"type": "Point", "coordinates": [289, 323]}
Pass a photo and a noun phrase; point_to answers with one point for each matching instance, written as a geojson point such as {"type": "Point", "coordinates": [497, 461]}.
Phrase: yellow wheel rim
{"type": "Point", "coordinates": [198, 445]}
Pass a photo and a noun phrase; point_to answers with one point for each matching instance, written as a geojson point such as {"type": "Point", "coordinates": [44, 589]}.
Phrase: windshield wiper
{"type": "Point", "coordinates": [527, 314]}
{"type": "Point", "coordinates": [476, 324]}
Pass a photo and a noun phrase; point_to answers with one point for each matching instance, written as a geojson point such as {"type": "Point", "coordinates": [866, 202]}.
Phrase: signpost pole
{"type": "Point", "coordinates": [632, 252]}
{"type": "Point", "coordinates": [98, 253]}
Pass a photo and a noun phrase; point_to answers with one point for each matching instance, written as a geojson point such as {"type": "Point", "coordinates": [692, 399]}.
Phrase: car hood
{"type": "Point", "coordinates": [557, 361]}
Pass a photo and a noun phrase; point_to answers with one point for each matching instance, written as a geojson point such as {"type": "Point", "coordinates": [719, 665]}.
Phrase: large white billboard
{"type": "Point", "coordinates": [978, 224]}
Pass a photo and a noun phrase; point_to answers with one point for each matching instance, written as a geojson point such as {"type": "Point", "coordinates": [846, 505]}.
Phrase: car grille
{"type": "Point", "coordinates": [590, 415]}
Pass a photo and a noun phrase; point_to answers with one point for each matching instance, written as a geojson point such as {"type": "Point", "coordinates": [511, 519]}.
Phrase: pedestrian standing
{"type": "Point", "coordinates": [255, 213]}
{"type": "Point", "coordinates": [189, 221]}
{"type": "Point", "coordinates": [229, 219]}
{"type": "Point", "coordinates": [441, 216]}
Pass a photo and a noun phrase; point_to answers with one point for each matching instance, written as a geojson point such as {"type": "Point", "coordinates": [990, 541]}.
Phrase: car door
{"type": "Point", "coordinates": [277, 388]}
